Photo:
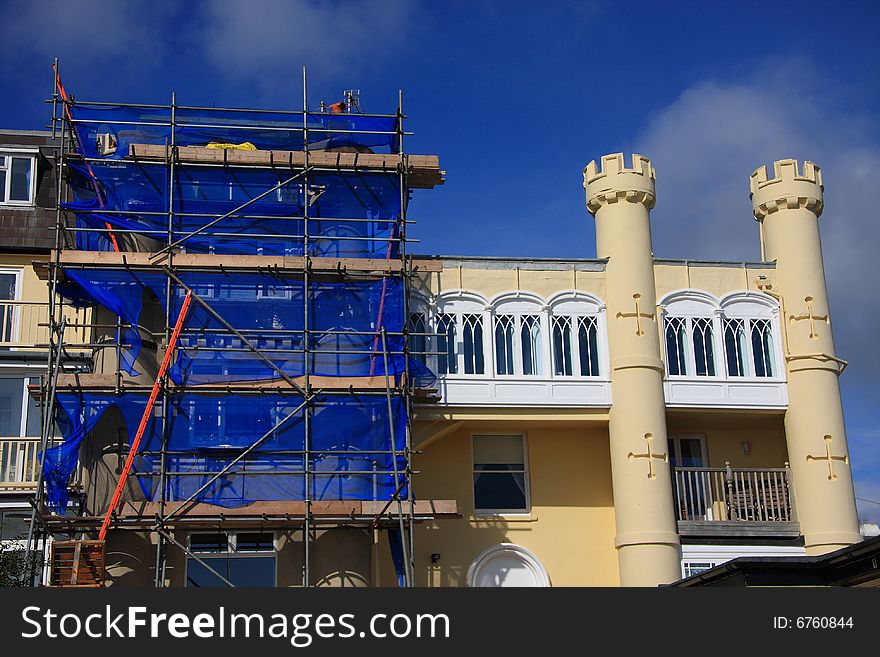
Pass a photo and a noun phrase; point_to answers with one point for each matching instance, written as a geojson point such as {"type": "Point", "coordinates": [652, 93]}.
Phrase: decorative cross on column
{"type": "Point", "coordinates": [638, 314]}
{"type": "Point", "coordinates": [649, 454]}
{"type": "Point", "coordinates": [810, 316]}
{"type": "Point", "coordinates": [830, 458]}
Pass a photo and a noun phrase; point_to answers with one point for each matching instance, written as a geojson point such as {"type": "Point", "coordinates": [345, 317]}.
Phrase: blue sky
{"type": "Point", "coordinates": [516, 100]}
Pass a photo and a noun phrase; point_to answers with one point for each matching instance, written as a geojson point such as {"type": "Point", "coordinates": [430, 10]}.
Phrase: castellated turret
{"type": "Point", "coordinates": [788, 207]}
{"type": "Point", "coordinates": [647, 542]}
{"type": "Point", "coordinates": [613, 181]}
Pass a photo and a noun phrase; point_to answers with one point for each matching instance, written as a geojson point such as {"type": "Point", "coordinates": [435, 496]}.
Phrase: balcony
{"type": "Point", "coordinates": [25, 324]}
{"type": "Point", "coordinates": [20, 464]}
{"type": "Point", "coordinates": [734, 502]}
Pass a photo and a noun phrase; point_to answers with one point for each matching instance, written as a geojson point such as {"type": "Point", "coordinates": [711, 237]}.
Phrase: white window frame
{"type": "Point", "coordinates": [573, 305]}
{"type": "Point", "coordinates": [690, 345]}
{"type": "Point", "coordinates": [457, 304]}
{"type": "Point", "coordinates": [16, 308]}
{"type": "Point", "coordinates": [518, 305]}
{"type": "Point", "coordinates": [690, 305]}
{"type": "Point", "coordinates": [25, 396]}
{"type": "Point", "coordinates": [526, 476]}
{"type": "Point", "coordinates": [751, 307]}
{"type": "Point", "coordinates": [747, 306]}
{"type": "Point", "coordinates": [30, 153]}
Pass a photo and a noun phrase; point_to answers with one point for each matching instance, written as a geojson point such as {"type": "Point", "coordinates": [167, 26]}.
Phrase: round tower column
{"type": "Point", "coordinates": [788, 207]}
{"type": "Point", "coordinates": [647, 542]}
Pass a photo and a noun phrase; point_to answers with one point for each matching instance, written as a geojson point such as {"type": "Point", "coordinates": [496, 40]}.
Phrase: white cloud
{"type": "Point", "coordinates": [101, 29]}
{"type": "Point", "coordinates": [267, 39]}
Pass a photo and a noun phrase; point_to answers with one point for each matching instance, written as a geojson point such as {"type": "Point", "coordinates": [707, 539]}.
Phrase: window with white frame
{"type": "Point", "coordinates": [531, 344]}
{"type": "Point", "coordinates": [472, 343]}
{"type": "Point", "coordinates": [575, 345]}
{"type": "Point", "coordinates": [749, 324]}
{"type": "Point", "coordinates": [19, 412]}
{"type": "Point", "coordinates": [762, 347]}
{"type": "Point", "coordinates": [418, 339]}
{"type": "Point", "coordinates": [690, 346]}
{"type": "Point", "coordinates": [732, 338]}
{"type": "Point", "coordinates": [735, 346]}
{"type": "Point", "coordinates": [243, 558]}
{"type": "Point", "coordinates": [500, 474]}
{"type": "Point", "coordinates": [518, 345]}
{"type": "Point", "coordinates": [9, 287]}
{"type": "Point", "coordinates": [704, 346]}
{"type": "Point", "coordinates": [676, 346]}
{"type": "Point", "coordinates": [562, 347]}
{"type": "Point", "coordinates": [588, 345]}
{"type": "Point", "coordinates": [525, 337]}
{"type": "Point", "coordinates": [749, 348]}
{"type": "Point", "coordinates": [447, 362]}
{"type": "Point", "coordinates": [505, 326]}
{"type": "Point", "coordinates": [18, 171]}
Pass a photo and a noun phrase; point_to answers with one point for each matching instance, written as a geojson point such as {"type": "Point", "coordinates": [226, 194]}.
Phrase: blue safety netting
{"type": "Point", "coordinates": [350, 446]}
{"type": "Point", "coordinates": [265, 130]}
{"type": "Point", "coordinates": [349, 215]}
{"type": "Point", "coordinates": [332, 327]}
{"type": "Point", "coordinates": [345, 321]}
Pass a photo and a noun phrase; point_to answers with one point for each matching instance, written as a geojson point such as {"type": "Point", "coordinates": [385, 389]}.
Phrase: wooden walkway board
{"type": "Point", "coordinates": [71, 258]}
{"type": "Point", "coordinates": [423, 170]}
{"type": "Point", "coordinates": [108, 381]}
{"type": "Point", "coordinates": [335, 508]}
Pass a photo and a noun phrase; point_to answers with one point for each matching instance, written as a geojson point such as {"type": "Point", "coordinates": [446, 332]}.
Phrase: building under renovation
{"type": "Point", "coordinates": [251, 380]}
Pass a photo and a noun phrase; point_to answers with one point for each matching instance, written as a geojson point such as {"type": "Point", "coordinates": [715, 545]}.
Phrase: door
{"type": "Point", "coordinates": [691, 483]}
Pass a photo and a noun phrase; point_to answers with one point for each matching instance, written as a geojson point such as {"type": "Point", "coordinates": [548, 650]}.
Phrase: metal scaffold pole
{"type": "Point", "coordinates": [307, 356]}
{"type": "Point", "coordinates": [159, 576]}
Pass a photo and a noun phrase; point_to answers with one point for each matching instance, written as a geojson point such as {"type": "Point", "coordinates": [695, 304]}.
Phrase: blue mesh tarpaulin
{"type": "Point", "coordinates": [122, 292]}
{"type": "Point", "coordinates": [266, 130]}
{"type": "Point", "coordinates": [350, 447]}
{"type": "Point", "coordinates": [345, 318]}
{"type": "Point", "coordinates": [349, 215]}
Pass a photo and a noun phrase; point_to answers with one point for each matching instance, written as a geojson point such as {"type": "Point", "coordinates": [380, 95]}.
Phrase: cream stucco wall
{"type": "Point", "coordinates": [571, 524]}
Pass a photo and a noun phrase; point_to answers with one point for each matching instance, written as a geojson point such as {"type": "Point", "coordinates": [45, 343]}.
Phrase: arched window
{"type": "Point", "coordinates": [689, 330]}
{"type": "Point", "coordinates": [518, 337]}
{"type": "Point", "coordinates": [461, 326]}
{"type": "Point", "coordinates": [575, 326]}
{"type": "Point", "coordinates": [749, 320]}
{"type": "Point", "coordinates": [733, 337]}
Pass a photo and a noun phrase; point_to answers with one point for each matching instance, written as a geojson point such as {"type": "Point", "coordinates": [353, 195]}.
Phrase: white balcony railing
{"type": "Point", "coordinates": [19, 462]}
{"type": "Point", "coordinates": [25, 324]}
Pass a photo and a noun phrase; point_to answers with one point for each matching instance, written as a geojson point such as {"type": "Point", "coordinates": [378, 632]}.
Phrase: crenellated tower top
{"type": "Point", "coordinates": [612, 181]}
{"type": "Point", "coordinates": [788, 189]}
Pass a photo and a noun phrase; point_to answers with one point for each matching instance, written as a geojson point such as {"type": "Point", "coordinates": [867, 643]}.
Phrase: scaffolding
{"type": "Point", "coordinates": [287, 401]}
